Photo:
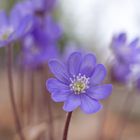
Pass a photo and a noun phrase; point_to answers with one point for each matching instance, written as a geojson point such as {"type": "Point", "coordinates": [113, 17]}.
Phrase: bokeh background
{"type": "Point", "coordinates": [89, 24]}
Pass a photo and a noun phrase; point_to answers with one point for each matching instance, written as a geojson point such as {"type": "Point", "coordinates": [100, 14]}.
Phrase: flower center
{"type": "Point", "coordinates": [79, 83]}
{"type": "Point", "coordinates": [5, 33]}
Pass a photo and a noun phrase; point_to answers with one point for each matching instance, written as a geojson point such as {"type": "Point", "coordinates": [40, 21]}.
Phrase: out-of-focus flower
{"type": "Point", "coordinates": [126, 55]}
{"type": "Point", "coordinates": [125, 52]}
{"type": "Point", "coordinates": [13, 28]}
{"type": "Point", "coordinates": [33, 7]}
{"type": "Point", "coordinates": [23, 8]}
{"type": "Point", "coordinates": [78, 82]}
{"type": "Point", "coordinates": [43, 5]}
{"type": "Point", "coordinates": [120, 72]}
{"type": "Point", "coordinates": [41, 44]}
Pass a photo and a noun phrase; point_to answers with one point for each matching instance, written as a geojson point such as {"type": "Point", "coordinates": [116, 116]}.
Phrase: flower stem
{"type": "Point", "coordinates": [31, 101]}
{"type": "Point", "coordinates": [67, 123]}
{"type": "Point", "coordinates": [11, 92]}
{"type": "Point", "coordinates": [21, 95]}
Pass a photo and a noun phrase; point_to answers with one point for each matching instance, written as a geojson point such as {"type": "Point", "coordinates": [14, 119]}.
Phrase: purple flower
{"type": "Point", "coordinates": [13, 28]}
{"type": "Point", "coordinates": [33, 6]}
{"type": "Point", "coordinates": [120, 72]}
{"type": "Point", "coordinates": [125, 55]}
{"type": "Point", "coordinates": [35, 54]}
{"type": "Point", "coordinates": [41, 44]}
{"type": "Point", "coordinates": [78, 82]}
{"type": "Point", "coordinates": [125, 52]}
{"type": "Point", "coordinates": [43, 5]}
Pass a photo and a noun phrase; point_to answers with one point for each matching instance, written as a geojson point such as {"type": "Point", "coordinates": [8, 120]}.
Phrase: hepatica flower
{"type": "Point", "coordinates": [41, 44]}
{"type": "Point", "coordinates": [34, 6]}
{"type": "Point", "coordinates": [125, 55]}
{"type": "Point", "coordinates": [43, 5]}
{"type": "Point", "coordinates": [35, 54]}
{"type": "Point", "coordinates": [124, 51]}
{"type": "Point", "coordinates": [13, 28]}
{"type": "Point", "coordinates": [78, 83]}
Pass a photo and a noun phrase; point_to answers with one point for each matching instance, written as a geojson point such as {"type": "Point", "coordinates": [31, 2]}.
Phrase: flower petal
{"type": "Point", "coordinates": [74, 62]}
{"type": "Point", "coordinates": [134, 43]}
{"type": "Point", "coordinates": [23, 28]}
{"type": "Point", "coordinates": [89, 105]}
{"type": "Point", "coordinates": [3, 43]}
{"type": "Point", "coordinates": [59, 70]}
{"type": "Point", "coordinates": [60, 96]}
{"type": "Point", "coordinates": [3, 19]}
{"type": "Point", "coordinates": [55, 86]}
{"type": "Point", "coordinates": [88, 65]}
{"type": "Point", "coordinates": [119, 40]}
{"type": "Point", "coordinates": [72, 102]}
{"type": "Point", "coordinates": [98, 75]}
{"type": "Point", "coordinates": [100, 92]}
{"type": "Point", "coordinates": [120, 72]}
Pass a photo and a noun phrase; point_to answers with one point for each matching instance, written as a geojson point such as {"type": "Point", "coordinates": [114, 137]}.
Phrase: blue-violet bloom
{"type": "Point", "coordinates": [128, 53]}
{"type": "Point", "coordinates": [125, 56]}
{"type": "Point", "coordinates": [33, 6]}
{"type": "Point", "coordinates": [13, 28]}
{"type": "Point", "coordinates": [78, 83]}
{"type": "Point", "coordinates": [41, 44]}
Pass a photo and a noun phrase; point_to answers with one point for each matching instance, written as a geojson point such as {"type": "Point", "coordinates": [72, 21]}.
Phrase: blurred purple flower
{"type": "Point", "coordinates": [13, 28]}
{"type": "Point", "coordinates": [31, 7]}
{"type": "Point", "coordinates": [23, 8]}
{"type": "Point", "coordinates": [125, 52]}
{"type": "Point", "coordinates": [120, 72]}
{"type": "Point", "coordinates": [43, 5]}
{"type": "Point", "coordinates": [41, 44]}
{"type": "Point", "coordinates": [78, 83]}
{"type": "Point", "coordinates": [125, 55]}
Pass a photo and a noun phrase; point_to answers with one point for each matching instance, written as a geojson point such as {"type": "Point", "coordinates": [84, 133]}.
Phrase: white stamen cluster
{"type": "Point", "coordinates": [79, 83]}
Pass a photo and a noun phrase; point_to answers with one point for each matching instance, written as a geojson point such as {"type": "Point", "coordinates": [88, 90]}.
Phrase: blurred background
{"type": "Point", "coordinates": [90, 25]}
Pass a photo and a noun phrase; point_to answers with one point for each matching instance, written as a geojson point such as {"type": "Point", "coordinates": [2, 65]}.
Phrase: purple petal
{"type": "Point", "coordinates": [72, 102]}
{"type": "Point", "coordinates": [59, 70]}
{"type": "Point", "coordinates": [74, 62]}
{"type": "Point", "coordinates": [53, 86]}
{"type": "Point", "coordinates": [100, 92]}
{"type": "Point", "coordinates": [88, 65]}
{"type": "Point", "coordinates": [52, 29]}
{"type": "Point", "coordinates": [3, 43]}
{"type": "Point", "coordinates": [119, 40]}
{"type": "Point", "coordinates": [60, 97]}
{"type": "Point", "coordinates": [59, 90]}
{"type": "Point", "coordinates": [120, 72]}
{"type": "Point", "coordinates": [134, 43]}
{"type": "Point", "coordinates": [24, 27]}
{"type": "Point", "coordinates": [89, 105]}
{"type": "Point", "coordinates": [122, 37]}
{"type": "Point", "coordinates": [98, 75]}
{"type": "Point", "coordinates": [3, 19]}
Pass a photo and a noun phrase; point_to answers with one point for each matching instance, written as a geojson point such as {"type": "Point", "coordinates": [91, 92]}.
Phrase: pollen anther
{"type": "Point", "coordinates": [79, 83]}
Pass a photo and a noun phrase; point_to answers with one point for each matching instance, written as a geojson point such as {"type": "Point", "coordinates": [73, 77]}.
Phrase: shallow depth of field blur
{"type": "Point", "coordinates": [88, 25]}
